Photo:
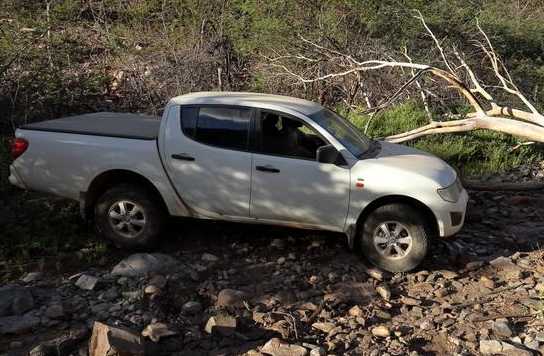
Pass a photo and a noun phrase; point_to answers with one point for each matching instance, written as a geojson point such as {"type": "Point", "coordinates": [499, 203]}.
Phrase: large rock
{"type": "Point", "coordinates": [277, 347]}
{"type": "Point", "coordinates": [15, 300]}
{"type": "Point", "coordinates": [140, 264]}
{"type": "Point", "coordinates": [112, 341]}
{"type": "Point", "coordinates": [17, 324]}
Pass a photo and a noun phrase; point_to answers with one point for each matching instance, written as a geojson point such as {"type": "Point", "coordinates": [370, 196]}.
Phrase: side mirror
{"type": "Point", "coordinates": [329, 154]}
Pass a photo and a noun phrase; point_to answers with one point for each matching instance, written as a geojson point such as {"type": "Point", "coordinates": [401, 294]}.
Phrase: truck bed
{"type": "Point", "coordinates": [123, 125]}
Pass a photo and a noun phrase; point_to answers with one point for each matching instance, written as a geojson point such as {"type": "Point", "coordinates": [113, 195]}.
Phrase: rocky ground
{"type": "Point", "coordinates": [224, 289]}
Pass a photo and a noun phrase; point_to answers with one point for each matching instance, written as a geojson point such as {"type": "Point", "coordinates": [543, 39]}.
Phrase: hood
{"type": "Point", "coordinates": [408, 159]}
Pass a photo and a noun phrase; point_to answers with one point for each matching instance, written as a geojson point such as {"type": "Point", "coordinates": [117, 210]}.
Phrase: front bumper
{"type": "Point", "coordinates": [449, 222]}
{"type": "Point", "coordinates": [14, 178]}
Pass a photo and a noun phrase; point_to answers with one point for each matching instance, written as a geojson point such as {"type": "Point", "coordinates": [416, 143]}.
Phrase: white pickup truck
{"type": "Point", "coordinates": [244, 157]}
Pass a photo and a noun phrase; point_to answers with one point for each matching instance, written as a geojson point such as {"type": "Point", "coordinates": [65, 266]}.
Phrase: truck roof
{"type": "Point", "coordinates": [123, 125]}
{"type": "Point", "coordinates": [278, 102]}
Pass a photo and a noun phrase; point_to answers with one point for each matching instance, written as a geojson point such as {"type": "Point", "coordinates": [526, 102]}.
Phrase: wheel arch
{"type": "Point", "coordinates": [109, 179]}
{"type": "Point", "coordinates": [392, 199]}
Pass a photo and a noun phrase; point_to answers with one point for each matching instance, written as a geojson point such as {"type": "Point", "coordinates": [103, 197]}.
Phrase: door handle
{"type": "Point", "coordinates": [183, 157]}
{"type": "Point", "coordinates": [268, 169]}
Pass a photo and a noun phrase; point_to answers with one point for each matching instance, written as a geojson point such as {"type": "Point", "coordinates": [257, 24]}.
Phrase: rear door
{"type": "Point", "coordinates": [288, 183]}
{"type": "Point", "coordinates": [208, 160]}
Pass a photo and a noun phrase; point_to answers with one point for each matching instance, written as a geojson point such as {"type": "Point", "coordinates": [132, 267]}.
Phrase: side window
{"type": "Point", "coordinates": [217, 126]}
{"type": "Point", "coordinates": [188, 121]}
{"type": "Point", "coordinates": [284, 136]}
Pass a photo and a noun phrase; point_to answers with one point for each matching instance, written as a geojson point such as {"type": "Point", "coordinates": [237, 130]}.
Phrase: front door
{"type": "Point", "coordinates": [288, 183]}
{"type": "Point", "coordinates": [207, 157]}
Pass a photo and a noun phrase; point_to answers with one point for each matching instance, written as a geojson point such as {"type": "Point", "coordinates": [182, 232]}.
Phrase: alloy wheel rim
{"type": "Point", "coordinates": [392, 240]}
{"type": "Point", "coordinates": [127, 218]}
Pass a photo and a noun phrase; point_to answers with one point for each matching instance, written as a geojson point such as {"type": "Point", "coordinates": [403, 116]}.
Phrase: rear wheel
{"type": "Point", "coordinates": [394, 237]}
{"type": "Point", "coordinates": [129, 215]}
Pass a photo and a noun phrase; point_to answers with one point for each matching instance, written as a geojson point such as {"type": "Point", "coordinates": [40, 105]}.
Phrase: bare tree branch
{"type": "Point", "coordinates": [495, 116]}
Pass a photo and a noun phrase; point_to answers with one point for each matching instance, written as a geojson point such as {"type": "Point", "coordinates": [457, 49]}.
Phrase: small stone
{"type": "Point", "coordinates": [18, 324]}
{"type": "Point", "coordinates": [531, 344]}
{"type": "Point", "coordinates": [472, 266]}
{"type": "Point", "coordinates": [490, 347]}
{"type": "Point", "coordinates": [107, 340]}
{"type": "Point", "coordinates": [501, 329]}
{"type": "Point", "coordinates": [318, 351]}
{"type": "Point", "coordinates": [332, 277]}
{"type": "Point", "coordinates": [449, 274]}
{"type": "Point", "coordinates": [208, 257]}
{"type": "Point", "coordinates": [15, 345]}
{"type": "Point", "coordinates": [356, 311]}
{"type": "Point", "coordinates": [156, 331]}
{"type": "Point", "coordinates": [381, 331]}
{"type": "Point", "coordinates": [141, 264]}
{"type": "Point", "coordinates": [281, 260]}
{"type": "Point", "coordinates": [384, 292]}
{"type": "Point", "coordinates": [123, 281]}
{"type": "Point", "coordinates": [222, 324]}
{"type": "Point", "coordinates": [278, 243]}
{"type": "Point", "coordinates": [15, 300]}
{"type": "Point", "coordinates": [191, 307]}
{"type": "Point", "coordinates": [277, 347]}
{"type": "Point", "coordinates": [325, 327]}
{"type": "Point", "coordinates": [158, 281]}
{"type": "Point", "coordinates": [86, 282]}
{"type": "Point", "coordinates": [374, 273]}
{"type": "Point", "coordinates": [32, 277]}
{"type": "Point", "coordinates": [506, 269]}
{"type": "Point", "coordinates": [410, 301]}
{"type": "Point", "coordinates": [443, 292]}
{"type": "Point", "coordinates": [230, 298]}
{"type": "Point", "coordinates": [55, 311]}
{"type": "Point", "coordinates": [426, 325]}
{"type": "Point", "coordinates": [151, 289]}
{"type": "Point", "coordinates": [487, 282]}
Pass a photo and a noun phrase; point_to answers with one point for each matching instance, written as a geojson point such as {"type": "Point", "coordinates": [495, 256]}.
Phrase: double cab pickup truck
{"type": "Point", "coordinates": [243, 157]}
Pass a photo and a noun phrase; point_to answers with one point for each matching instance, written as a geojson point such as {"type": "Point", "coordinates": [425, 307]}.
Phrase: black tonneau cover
{"type": "Point", "coordinates": [124, 125]}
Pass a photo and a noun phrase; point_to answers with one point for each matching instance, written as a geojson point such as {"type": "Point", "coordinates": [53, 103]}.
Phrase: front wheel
{"type": "Point", "coordinates": [394, 237]}
{"type": "Point", "coordinates": [129, 216]}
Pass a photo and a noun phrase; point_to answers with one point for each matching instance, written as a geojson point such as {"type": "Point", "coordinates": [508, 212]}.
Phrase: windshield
{"type": "Point", "coordinates": [343, 131]}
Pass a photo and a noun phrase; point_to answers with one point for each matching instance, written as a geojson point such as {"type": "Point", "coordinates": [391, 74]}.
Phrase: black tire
{"type": "Point", "coordinates": [411, 221]}
{"type": "Point", "coordinates": [151, 211]}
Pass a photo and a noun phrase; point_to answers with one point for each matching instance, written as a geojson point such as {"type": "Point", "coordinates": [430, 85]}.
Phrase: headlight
{"type": "Point", "coordinates": [452, 192]}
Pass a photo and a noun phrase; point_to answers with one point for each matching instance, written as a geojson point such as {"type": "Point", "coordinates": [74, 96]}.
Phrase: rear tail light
{"type": "Point", "coordinates": [18, 147]}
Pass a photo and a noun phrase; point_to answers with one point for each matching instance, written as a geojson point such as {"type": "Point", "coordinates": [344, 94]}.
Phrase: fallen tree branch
{"type": "Point", "coordinates": [488, 114]}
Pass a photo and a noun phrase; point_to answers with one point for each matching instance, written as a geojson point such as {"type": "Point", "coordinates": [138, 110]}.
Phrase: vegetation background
{"type": "Point", "coordinates": [60, 57]}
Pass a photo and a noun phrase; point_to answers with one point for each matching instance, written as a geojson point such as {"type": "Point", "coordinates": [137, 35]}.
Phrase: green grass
{"type": "Point", "coordinates": [480, 152]}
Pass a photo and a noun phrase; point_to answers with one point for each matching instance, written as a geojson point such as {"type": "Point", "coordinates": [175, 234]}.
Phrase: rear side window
{"type": "Point", "coordinates": [188, 121]}
{"type": "Point", "coordinates": [217, 126]}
